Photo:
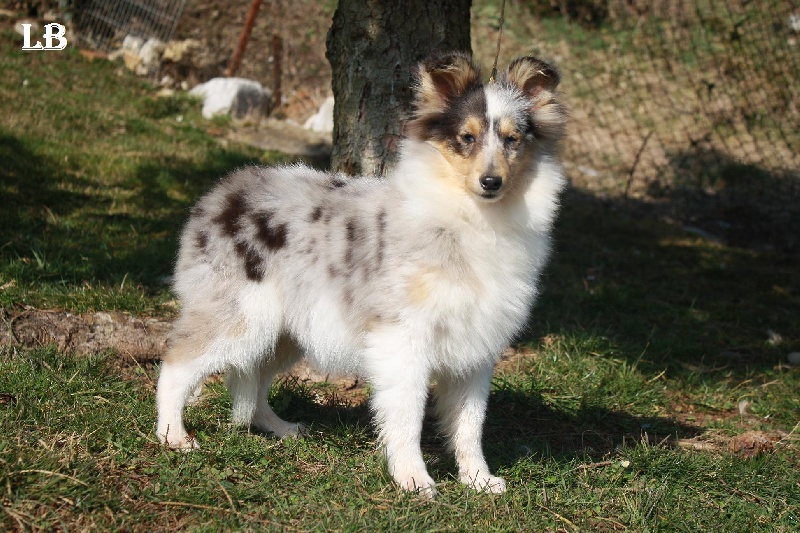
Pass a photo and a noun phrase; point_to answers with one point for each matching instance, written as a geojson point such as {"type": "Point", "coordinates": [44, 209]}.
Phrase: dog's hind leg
{"type": "Point", "coordinates": [243, 387]}
{"type": "Point", "coordinates": [461, 406]}
{"type": "Point", "coordinates": [177, 380]}
{"type": "Point", "coordinates": [264, 419]}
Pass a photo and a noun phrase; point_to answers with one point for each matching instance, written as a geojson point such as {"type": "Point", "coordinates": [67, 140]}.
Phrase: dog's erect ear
{"type": "Point", "coordinates": [532, 76]}
{"type": "Point", "coordinates": [538, 80]}
{"type": "Point", "coordinates": [442, 77]}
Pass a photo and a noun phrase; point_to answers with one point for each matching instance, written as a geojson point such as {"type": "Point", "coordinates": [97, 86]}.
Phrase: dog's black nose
{"type": "Point", "coordinates": [491, 183]}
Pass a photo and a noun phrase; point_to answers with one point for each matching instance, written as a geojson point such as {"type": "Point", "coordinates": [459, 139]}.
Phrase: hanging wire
{"type": "Point", "coordinates": [499, 38]}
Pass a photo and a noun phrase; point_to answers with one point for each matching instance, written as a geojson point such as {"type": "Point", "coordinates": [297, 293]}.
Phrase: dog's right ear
{"type": "Point", "coordinates": [442, 77]}
{"type": "Point", "coordinates": [532, 76]}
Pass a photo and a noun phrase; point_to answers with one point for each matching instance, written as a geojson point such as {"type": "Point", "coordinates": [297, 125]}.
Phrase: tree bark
{"type": "Point", "coordinates": [372, 47]}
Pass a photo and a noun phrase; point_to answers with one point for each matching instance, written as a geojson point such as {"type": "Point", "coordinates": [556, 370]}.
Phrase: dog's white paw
{"type": "Point", "coordinates": [421, 483]}
{"type": "Point", "coordinates": [485, 483]}
{"type": "Point", "coordinates": [290, 431]}
{"type": "Point", "coordinates": [184, 444]}
{"type": "Point", "coordinates": [177, 439]}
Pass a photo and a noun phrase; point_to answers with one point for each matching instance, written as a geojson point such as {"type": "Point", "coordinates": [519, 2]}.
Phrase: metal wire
{"type": "Point", "coordinates": [691, 106]}
{"type": "Point", "coordinates": [103, 24]}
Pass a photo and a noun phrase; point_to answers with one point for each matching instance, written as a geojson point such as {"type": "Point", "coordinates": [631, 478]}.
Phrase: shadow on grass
{"type": "Point", "coordinates": [664, 297]}
{"type": "Point", "coordinates": [744, 204]}
{"type": "Point", "coordinates": [59, 226]}
{"type": "Point", "coordinates": [31, 194]}
{"type": "Point", "coordinates": [519, 424]}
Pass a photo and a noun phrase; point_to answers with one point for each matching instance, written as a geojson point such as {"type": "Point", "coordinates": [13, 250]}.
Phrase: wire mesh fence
{"type": "Point", "coordinates": [691, 105]}
{"type": "Point", "coordinates": [103, 24]}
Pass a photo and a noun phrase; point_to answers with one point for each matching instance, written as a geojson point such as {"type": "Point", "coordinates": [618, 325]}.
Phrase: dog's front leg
{"type": "Point", "coordinates": [400, 392]}
{"type": "Point", "coordinates": [461, 405]}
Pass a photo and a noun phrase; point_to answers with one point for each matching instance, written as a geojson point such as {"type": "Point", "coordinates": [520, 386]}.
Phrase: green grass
{"type": "Point", "coordinates": [646, 338]}
{"type": "Point", "coordinates": [81, 455]}
{"type": "Point", "coordinates": [96, 180]}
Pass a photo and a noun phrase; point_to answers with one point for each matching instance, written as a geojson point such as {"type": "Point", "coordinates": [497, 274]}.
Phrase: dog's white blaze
{"type": "Point", "coordinates": [495, 108]}
{"type": "Point", "coordinates": [502, 102]}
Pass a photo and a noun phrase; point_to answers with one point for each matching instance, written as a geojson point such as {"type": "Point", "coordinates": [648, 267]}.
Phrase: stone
{"type": "Point", "coordinates": [131, 60]}
{"type": "Point", "coordinates": [237, 97]}
{"type": "Point", "coordinates": [36, 28]}
{"type": "Point", "coordinates": [176, 51]}
{"type": "Point", "coordinates": [150, 55]}
{"type": "Point", "coordinates": [132, 43]}
{"type": "Point", "coordinates": [322, 120]}
{"type": "Point", "coordinates": [139, 55]}
{"type": "Point", "coordinates": [129, 51]}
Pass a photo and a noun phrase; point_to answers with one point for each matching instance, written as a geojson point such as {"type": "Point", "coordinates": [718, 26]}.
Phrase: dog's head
{"type": "Point", "coordinates": [488, 134]}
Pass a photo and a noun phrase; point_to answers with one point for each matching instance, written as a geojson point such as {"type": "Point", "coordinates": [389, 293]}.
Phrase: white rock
{"type": "Point", "coordinates": [794, 22]}
{"type": "Point", "coordinates": [793, 358]}
{"type": "Point", "coordinates": [36, 28]}
{"type": "Point", "coordinates": [322, 120]}
{"type": "Point", "coordinates": [150, 54]}
{"type": "Point", "coordinates": [175, 51]}
{"type": "Point", "coordinates": [129, 51]}
{"type": "Point", "coordinates": [237, 97]}
{"type": "Point", "coordinates": [132, 43]}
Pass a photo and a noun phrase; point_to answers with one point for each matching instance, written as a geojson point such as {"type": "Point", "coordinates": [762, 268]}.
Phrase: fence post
{"type": "Point", "coordinates": [236, 60]}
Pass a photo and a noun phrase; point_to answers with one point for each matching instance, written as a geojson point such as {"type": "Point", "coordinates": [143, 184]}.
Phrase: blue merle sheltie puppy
{"type": "Point", "coordinates": [420, 278]}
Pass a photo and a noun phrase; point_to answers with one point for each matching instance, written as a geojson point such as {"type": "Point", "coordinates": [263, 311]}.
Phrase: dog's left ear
{"type": "Point", "coordinates": [538, 80]}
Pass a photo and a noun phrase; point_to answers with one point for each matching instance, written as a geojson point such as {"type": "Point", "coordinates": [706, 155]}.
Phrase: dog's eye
{"type": "Point", "coordinates": [510, 140]}
{"type": "Point", "coordinates": [468, 138]}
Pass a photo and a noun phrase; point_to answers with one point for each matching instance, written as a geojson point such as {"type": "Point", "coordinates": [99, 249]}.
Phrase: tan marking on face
{"type": "Point", "coordinates": [464, 173]}
{"type": "Point", "coordinates": [455, 169]}
{"type": "Point", "coordinates": [519, 177]}
{"type": "Point", "coordinates": [473, 126]}
{"type": "Point", "coordinates": [508, 160]}
{"type": "Point", "coordinates": [507, 128]}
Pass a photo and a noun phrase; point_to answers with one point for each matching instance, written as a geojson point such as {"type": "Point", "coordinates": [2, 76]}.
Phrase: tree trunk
{"type": "Point", "coordinates": [373, 46]}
